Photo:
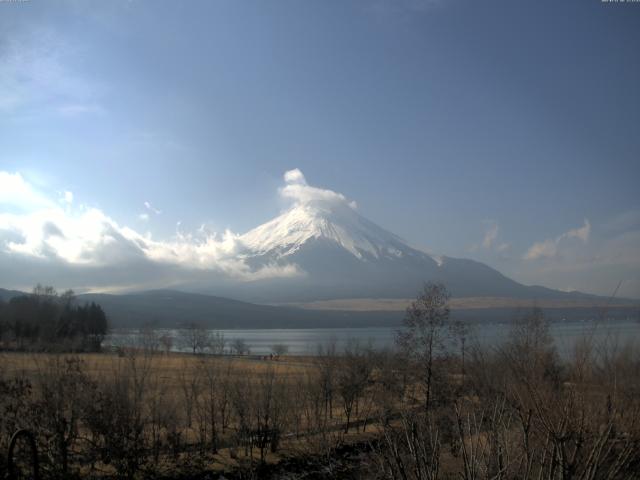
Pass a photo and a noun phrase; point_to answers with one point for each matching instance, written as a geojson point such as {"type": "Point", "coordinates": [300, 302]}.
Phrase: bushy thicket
{"type": "Point", "coordinates": [515, 410]}
{"type": "Point", "coordinates": [45, 320]}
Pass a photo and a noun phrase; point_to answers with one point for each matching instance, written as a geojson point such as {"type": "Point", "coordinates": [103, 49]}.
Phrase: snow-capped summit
{"type": "Point", "coordinates": [338, 223]}
{"type": "Point", "coordinates": [322, 216]}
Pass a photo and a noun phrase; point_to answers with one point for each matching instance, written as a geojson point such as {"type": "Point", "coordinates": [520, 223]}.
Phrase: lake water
{"type": "Point", "coordinates": [306, 341]}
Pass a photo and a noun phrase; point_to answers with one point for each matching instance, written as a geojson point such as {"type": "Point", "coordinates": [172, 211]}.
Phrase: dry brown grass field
{"type": "Point", "coordinates": [188, 387]}
{"type": "Point", "coordinates": [168, 366]}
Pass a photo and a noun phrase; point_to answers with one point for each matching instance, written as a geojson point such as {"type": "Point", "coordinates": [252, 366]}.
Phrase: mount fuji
{"type": "Point", "coordinates": [339, 254]}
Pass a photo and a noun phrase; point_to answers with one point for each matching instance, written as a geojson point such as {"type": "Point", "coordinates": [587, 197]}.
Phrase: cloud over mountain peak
{"type": "Point", "coordinates": [297, 189]}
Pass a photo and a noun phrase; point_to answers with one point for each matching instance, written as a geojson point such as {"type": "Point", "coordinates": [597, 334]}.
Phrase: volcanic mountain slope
{"type": "Point", "coordinates": [340, 254]}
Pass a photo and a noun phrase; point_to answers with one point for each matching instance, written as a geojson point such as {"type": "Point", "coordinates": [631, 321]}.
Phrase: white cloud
{"type": "Point", "coordinates": [549, 247]}
{"type": "Point", "coordinates": [301, 193]}
{"type": "Point", "coordinates": [607, 255]}
{"type": "Point", "coordinates": [490, 240]}
{"type": "Point", "coordinates": [294, 176]}
{"type": "Point", "coordinates": [71, 239]}
{"type": "Point", "coordinates": [490, 235]}
{"type": "Point", "coordinates": [582, 233]}
{"type": "Point", "coordinates": [76, 241]}
{"type": "Point", "coordinates": [16, 192]}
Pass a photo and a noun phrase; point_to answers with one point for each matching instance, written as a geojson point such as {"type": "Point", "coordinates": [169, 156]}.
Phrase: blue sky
{"type": "Point", "coordinates": [507, 132]}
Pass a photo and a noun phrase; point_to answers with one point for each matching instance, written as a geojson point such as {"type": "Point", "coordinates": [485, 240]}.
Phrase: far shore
{"type": "Point", "coordinates": [462, 303]}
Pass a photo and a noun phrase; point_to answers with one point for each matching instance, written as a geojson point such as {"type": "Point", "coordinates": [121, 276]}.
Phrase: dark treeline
{"type": "Point", "coordinates": [47, 320]}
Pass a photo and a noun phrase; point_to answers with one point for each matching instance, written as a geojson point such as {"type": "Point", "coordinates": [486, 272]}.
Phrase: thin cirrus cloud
{"type": "Point", "coordinates": [151, 208]}
{"type": "Point", "coordinates": [597, 260]}
{"type": "Point", "coordinates": [42, 239]}
{"type": "Point", "coordinates": [144, 216]}
{"type": "Point", "coordinates": [549, 248]}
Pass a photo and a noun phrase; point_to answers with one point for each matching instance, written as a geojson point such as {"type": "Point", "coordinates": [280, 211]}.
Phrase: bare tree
{"type": "Point", "coordinates": [461, 332]}
{"type": "Point", "coordinates": [353, 376]}
{"type": "Point", "coordinates": [166, 341]}
{"type": "Point", "coordinates": [215, 375]}
{"type": "Point", "coordinates": [148, 339]}
{"type": "Point", "coordinates": [268, 411]}
{"type": "Point", "coordinates": [240, 347]}
{"type": "Point", "coordinates": [195, 337]}
{"type": "Point", "coordinates": [190, 387]}
{"type": "Point", "coordinates": [424, 333]}
{"type": "Point", "coordinates": [241, 393]}
{"type": "Point", "coordinates": [217, 343]}
{"type": "Point", "coordinates": [327, 362]}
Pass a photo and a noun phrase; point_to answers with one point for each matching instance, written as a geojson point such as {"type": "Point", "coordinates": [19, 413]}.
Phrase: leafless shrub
{"type": "Point", "coordinates": [15, 410]}
{"type": "Point", "coordinates": [61, 385]}
{"type": "Point", "coordinates": [115, 416]}
{"type": "Point", "coordinates": [574, 419]}
{"type": "Point", "coordinates": [410, 449]}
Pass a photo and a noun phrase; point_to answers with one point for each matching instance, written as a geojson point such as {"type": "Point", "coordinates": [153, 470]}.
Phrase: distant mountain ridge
{"type": "Point", "coordinates": [6, 295]}
{"type": "Point", "coordinates": [173, 309]}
